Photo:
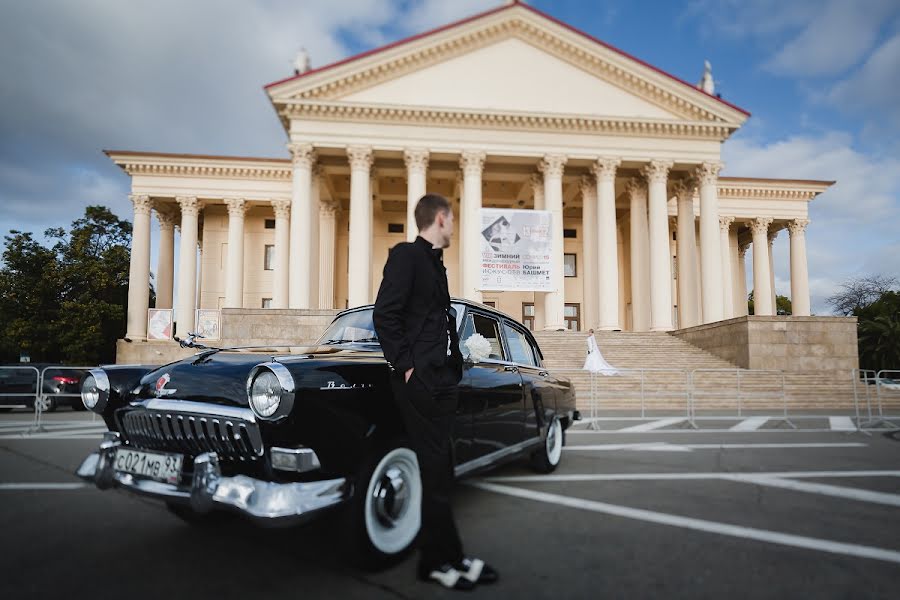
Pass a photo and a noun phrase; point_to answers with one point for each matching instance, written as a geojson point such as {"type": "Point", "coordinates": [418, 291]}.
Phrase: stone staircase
{"type": "Point", "coordinates": [667, 388]}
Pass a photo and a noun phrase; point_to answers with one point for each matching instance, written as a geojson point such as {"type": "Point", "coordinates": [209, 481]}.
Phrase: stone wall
{"type": "Point", "coordinates": [239, 327]}
{"type": "Point", "coordinates": [785, 343]}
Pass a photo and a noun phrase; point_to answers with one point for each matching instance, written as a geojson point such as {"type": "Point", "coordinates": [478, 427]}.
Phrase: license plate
{"type": "Point", "coordinates": [161, 467]}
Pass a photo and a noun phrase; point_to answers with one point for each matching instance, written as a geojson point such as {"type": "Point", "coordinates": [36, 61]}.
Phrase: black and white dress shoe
{"type": "Point", "coordinates": [448, 577]}
{"type": "Point", "coordinates": [477, 571]}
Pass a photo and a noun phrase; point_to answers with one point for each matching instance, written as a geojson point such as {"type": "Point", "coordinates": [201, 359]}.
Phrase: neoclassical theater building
{"type": "Point", "coordinates": [508, 108]}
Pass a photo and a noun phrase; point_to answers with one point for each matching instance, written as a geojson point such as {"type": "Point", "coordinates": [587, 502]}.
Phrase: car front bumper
{"type": "Point", "coordinates": [267, 503]}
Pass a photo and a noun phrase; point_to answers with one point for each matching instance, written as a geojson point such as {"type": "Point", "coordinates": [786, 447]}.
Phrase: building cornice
{"type": "Point", "coordinates": [770, 189]}
{"type": "Point", "coordinates": [529, 25]}
{"type": "Point", "coordinates": [496, 119]}
{"type": "Point", "coordinates": [194, 165]}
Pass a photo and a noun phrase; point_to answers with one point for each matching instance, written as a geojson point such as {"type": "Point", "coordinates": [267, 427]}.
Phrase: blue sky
{"type": "Point", "coordinates": [820, 77]}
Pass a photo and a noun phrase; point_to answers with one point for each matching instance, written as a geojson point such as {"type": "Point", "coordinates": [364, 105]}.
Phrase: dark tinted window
{"type": "Point", "coordinates": [520, 350]}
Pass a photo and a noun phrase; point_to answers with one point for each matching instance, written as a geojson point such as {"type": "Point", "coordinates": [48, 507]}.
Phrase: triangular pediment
{"type": "Point", "coordinates": [512, 59]}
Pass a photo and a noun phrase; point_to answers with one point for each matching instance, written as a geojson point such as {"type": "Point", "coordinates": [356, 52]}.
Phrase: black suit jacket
{"type": "Point", "coordinates": [412, 316]}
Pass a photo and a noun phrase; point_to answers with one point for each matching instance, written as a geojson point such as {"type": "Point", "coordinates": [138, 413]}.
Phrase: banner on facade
{"type": "Point", "coordinates": [159, 324]}
{"type": "Point", "coordinates": [208, 320]}
{"type": "Point", "coordinates": [516, 250]}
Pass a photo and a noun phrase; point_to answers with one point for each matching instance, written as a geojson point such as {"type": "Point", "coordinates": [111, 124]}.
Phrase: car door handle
{"type": "Point", "coordinates": [512, 368]}
{"type": "Point", "coordinates": [544, 373]}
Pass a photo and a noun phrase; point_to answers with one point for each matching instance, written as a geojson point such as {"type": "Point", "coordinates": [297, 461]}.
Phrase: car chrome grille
{"type": "Point", "coordinates": [230, 437]}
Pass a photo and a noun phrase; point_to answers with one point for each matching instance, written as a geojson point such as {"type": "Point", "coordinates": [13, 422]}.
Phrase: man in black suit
{"type": "Point", "coordinates": [417, 330]}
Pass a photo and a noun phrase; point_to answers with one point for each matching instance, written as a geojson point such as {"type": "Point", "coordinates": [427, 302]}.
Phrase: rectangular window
{"type": "Point", "coordinates": [569, 265]}
{"type": "Point", "coordinates": [572, 314]}
{"type": "Point", "coordinates": [270, 223]}
{"type": "Point", "coordinates": [491, 303]}
{"type": "Point", "coordinates": [528, 315]}
{"type": "Point", "coordinates": [519, 349]}
{"type": "Point", "coordinates": [395, 227]}
{"type": "Point", "coordinates": [489, 328]}
{"type": "Point", "coordinates": [267, 303]}
{"type": "Point", "coordinates": [570, 233]}
{"type": "Point", "coordinates": [269, 261]}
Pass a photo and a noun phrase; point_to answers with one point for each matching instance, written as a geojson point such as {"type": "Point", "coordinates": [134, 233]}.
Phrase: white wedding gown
{"type": "Point", "coordinates": [595, 361]}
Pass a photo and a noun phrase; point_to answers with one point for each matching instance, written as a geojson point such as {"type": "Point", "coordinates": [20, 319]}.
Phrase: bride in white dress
{"type": "Point", "coordinates": [595, 361]}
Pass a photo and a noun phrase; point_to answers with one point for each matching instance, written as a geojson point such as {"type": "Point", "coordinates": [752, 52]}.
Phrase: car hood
{"type": "Point", "coordinates": [221, 378]}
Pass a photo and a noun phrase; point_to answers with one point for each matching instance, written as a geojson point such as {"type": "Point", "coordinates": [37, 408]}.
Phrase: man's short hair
{"type": "Point", "coordinates": [427, 209]}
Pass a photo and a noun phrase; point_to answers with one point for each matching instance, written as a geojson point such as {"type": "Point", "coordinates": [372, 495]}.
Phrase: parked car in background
{"type": "Point", "coordinates": [61, 386]}
{"type": "Point", "coordinates": [282, 435]}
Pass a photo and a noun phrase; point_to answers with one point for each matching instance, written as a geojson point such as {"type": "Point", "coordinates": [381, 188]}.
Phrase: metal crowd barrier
{"type": "Point", "coordinates": [887, 385]}
{"type": "Point", "coordinates": [741, 394]}
{"type": "Point", "coordinates": [25, 395]}
{"type": "Point", "coordinates": [37, 423]}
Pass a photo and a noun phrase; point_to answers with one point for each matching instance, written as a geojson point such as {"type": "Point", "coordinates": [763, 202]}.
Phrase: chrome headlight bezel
{"type": "Point", "coordinates": [100, 387]}
{"type": "Point", "coordinates": [285, 380]}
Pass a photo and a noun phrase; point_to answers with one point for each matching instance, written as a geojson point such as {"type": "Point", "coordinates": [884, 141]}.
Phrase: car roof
{"type": "Point", "coordinates": [453, 300]}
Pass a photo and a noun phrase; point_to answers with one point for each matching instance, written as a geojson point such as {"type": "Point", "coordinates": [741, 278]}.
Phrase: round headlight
{"type": "Point", "coordinates": [90, 394]}
{"type": "Point", "coordinates": [265, 394]}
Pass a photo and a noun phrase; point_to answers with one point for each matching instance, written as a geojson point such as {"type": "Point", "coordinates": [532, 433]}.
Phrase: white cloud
{"type": "Point", "coordinates": [875, 86]}
{"type": "Point", "coordinates": [853, 225]}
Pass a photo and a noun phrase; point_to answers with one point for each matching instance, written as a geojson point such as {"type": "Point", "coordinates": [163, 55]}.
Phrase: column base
{"type": "Point", "coordinates": [554, 328]}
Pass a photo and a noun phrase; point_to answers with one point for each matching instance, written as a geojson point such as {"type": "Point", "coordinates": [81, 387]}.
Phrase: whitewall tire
{"type": "Point", "coordinates": [546, 459]}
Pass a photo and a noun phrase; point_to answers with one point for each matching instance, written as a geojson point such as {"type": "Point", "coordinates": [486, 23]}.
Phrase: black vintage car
{"type": "Point", "coordinates": [280, 437]}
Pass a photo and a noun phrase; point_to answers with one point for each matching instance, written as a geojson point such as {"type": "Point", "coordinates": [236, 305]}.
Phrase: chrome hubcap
{"type": "Point", "coordinates": [390, 497]}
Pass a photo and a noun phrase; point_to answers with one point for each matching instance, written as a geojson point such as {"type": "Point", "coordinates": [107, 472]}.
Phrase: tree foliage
{"type": "Point", "coordinates": [782, 305]}
{"type": "Point", "coordinates": [879, 332]}
{"type": "Point", "coordinates": [66, 303]}
{"type": "Point", "coordinates": [859, 292]}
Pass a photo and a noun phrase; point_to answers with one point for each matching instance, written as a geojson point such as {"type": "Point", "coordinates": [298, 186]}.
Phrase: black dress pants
{"type": "Point", "coordinates": [427, 403]}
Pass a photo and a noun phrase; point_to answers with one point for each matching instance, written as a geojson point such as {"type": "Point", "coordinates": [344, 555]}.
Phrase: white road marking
{"type": "Point", "coordinates": [821, 488]}
{"type": "Point", "coordinates": [841, 424]}
{"type": "Point", "coordinates": [701, 431]}
{"type": "Point", "coordinates": [751, 424]}
{"type": "Point", "coordinates": [13, 487]}
{"type": "Point", "coordinates": [689, 476]}
{"type": "Point", "coordinates": [658, 424]}
{"type": "Point", "coordinates": [761, 535]}
{"type": "Point", "coordinates": [667, 447]}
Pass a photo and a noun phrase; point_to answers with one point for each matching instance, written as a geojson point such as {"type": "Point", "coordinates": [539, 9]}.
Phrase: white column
{"type": "Point", "coordinates": [281, 285]}
{"type": "Point", "coordinates": [640, 256]}
{"type": "Point", "coordinates": [762, 290]}
{"type": "Point", "coordinates": [472, 165]}
{"type": "Point", "coordinates": [303, 158]}
{"type": "Point", "coordinates": [710, 247]}
{"type": "Point", "coordinates": [165, 261]}
{"type": "Point", "coordinates": [742, 284]}
{"type": "Point", "coordinates": [657, 173]}
{"type": "Point", "coordinates": [360, 245]}
{"type": "Point", "coordinates": [328, 214]}
{"type": "Point", "coordinates": [735, 297]}
{"type": "Point", "coordinates": [537, 188]}
{"type": "Point", "coordinates": [315, 195]}
{"type": "Point", "coordinates": [773, 233]}
{"type": "Point", "coordinates": [607, 245]}
{"type": "Point", "coordinates": [139, 269]}
{"type": "Point", "coordinates": [799, 269]}
{"type": "Point", "coordinates": [555, 303]}
{"type": "Point", "coordinates": [416, 171]}
{"type": "Point", "coordinates": [187, 265]}
{"type": "Point", "coordinates": [234, 264]}
{"type": "Point", "coordinates": [588, 267]}
{"type": "Point", "coordinates": [727, 286]}
{"type": "Point", "coordinates": [686, 240]}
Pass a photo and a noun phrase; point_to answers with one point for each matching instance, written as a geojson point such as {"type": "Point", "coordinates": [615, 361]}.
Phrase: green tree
{"type": "Point", "coordinates": [29, 299]}
{"type": "Point", "coordinates": [879, 332]}
{"type": "Point", "coordinates": [782, 305]}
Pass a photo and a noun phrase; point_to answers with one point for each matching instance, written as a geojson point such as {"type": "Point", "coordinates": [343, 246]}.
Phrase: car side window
{"type": "Point", "coordinates": [489, 328]}
{"type": "Point", "coordinates": [519, 349]}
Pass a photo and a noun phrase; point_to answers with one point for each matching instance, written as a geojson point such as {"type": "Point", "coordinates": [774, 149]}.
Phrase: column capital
{"type": "Point", "coordinates": [360, 157]}
{"type": "Point", "coordinates": [416, 159]}
{"type": "Point", "coordinates": [605, 168]}
{"type": "Point", "coordinates": [190, 205]}
{"type": "Point", "coordinates": [760, 225]}
{"type": "Point", "coordinates": [797, 226]}
{"type": "Point", "coordinates": [329, 208]}
{"type": "Point", "coordinates": [237, 207]}
{"type": "Point", "coordinates": [725, 223]}
{"type": "Point", "coordinates": [553, 165]}
{"type": "Point", "coordinates": [302, 154]}
{"type": "Point", "coordinates": [282, 208]}
{"type": "Point", "coordinates": [708, 172]}
{"type": "Point", "coordinates": [141, 203]}
{"type": "Point", "coordinates": [636, 187]}
{"type": "Point", "coordinates": [588, 187]}
{"type": "Point", "coordinates": [742, 250]}
{"type": "Point", "coordinates": [472, 162]}
{"type": "Point", "coordinates": [684, 188]}
{"type": "Point", "coordinates": [167, 220]}
{"type": "Point", "coordinates": [773, 233]}
{"type": "Point", "coordinates": [657, 171]}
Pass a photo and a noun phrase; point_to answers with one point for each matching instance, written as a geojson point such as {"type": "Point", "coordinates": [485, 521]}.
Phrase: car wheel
{"type": "Point", "coordinates": [195, 519]}
{"type": "Point", "coordinates": [386, 512]}
{"type": "Point", "coordinates": [47, 403]}
{"type": "Point", "coordinates": [546, 459]}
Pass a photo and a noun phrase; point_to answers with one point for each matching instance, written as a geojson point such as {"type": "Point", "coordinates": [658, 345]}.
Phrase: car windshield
{"type": "Point", "coordinates": [357, 327]}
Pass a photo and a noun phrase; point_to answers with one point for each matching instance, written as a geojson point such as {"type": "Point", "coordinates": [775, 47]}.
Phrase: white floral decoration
{"type": "Point", "coordinates": [479, 348]}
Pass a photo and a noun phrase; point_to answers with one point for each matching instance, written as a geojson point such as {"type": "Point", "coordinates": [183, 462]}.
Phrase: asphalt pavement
{"type": "Point", "coordinates": [659, 512]}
